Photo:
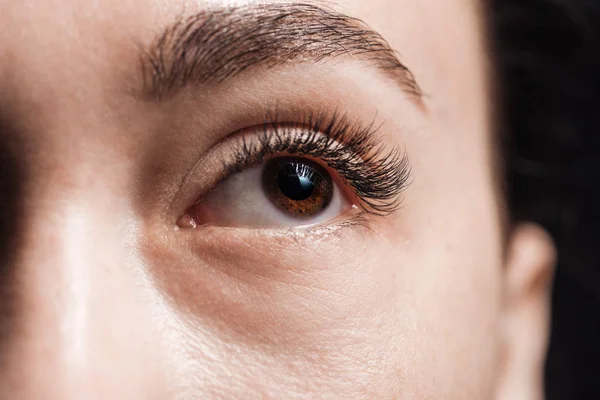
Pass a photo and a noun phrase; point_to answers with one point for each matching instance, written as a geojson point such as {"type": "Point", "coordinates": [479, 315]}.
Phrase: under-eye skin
{"type": "Point", "coordinates": [317, 169]}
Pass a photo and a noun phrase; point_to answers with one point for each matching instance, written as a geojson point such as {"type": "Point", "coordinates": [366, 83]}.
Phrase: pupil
{"type": "Point", "coordinates": [294, 186]}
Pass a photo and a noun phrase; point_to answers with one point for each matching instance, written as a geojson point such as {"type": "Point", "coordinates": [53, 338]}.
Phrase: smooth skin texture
{"type": "Point", "coordinates": [103, 297]}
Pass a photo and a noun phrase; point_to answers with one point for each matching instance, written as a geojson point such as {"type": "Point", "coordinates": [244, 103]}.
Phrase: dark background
{"type": "Point", "coordinates": [547, 57]}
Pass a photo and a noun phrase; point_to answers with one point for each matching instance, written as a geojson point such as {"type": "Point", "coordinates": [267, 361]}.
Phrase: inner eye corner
{"type": "Point", "coordinates": [186, 221]}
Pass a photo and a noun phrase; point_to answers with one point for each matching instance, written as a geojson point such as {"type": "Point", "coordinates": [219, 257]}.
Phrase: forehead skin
{"type": "Point", "coordinates": [391, 315]}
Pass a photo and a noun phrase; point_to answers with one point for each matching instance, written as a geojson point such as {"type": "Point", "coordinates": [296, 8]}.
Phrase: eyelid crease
{"type": "Point", "coordinates": [355, 151]}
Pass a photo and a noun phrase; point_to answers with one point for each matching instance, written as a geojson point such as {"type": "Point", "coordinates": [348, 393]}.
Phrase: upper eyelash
{"type": "Point", "coordinates": [376, 175]}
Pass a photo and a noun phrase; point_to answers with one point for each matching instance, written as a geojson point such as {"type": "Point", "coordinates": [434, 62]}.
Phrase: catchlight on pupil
{"type": "Point", "coordinates": [296, 183]}
{"type": "Point", "coordinates": [297, 186]}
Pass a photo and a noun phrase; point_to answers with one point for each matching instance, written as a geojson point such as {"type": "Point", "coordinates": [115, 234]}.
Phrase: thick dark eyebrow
{"type": "Point", "coordinates": [218, 44]}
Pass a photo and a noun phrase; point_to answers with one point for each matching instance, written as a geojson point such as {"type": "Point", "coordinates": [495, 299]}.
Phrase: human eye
{"type": "Point", "coordinates": [301, 173]}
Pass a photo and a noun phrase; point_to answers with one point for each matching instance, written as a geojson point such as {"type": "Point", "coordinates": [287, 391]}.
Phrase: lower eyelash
{"type": "Point", "coordinates": [376, 175]}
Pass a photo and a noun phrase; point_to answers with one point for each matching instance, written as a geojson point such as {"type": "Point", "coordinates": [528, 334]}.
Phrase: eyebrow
{"type": "Point", "coordinates": [216, 45]}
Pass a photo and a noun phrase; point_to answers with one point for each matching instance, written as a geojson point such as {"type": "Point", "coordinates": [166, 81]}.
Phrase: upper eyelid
{"type": "Point", "coordinates": [378, 175]}
{"type": "Point", "coordinates": [385, 172]}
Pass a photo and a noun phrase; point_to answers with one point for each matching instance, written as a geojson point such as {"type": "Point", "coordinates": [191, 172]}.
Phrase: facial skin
{"type": "Point", "coordinates": [108, 292]}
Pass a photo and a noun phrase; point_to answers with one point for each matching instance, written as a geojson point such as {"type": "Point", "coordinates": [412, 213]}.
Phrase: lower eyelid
{"type": "Point", "coordinates": [355, 222]}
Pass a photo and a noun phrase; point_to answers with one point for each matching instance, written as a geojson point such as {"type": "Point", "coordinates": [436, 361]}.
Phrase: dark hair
{"type": "Point", "coordinates": [546, 54]}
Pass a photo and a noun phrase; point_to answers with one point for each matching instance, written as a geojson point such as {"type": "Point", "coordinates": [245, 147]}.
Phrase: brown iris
{"type": "Point", "coordinates": [297, 186]}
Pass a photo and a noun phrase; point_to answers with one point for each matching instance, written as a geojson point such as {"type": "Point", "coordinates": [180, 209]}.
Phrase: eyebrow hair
{"type": "Point", "coordinates": [215, 45]}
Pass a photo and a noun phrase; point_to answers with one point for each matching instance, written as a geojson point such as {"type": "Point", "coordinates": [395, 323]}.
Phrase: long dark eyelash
{"type": "Point", "coordinates": [377, 176]}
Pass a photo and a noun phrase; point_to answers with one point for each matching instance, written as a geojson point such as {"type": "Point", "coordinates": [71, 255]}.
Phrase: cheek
{"type": "Point", "coordinates": [459, 316]}
{"type": "Point", "coordinates": [454, 279]}
{"type": "Point", "coordinates": [375, 312]}
{"type": "Point", "coordinates": [287, 317]}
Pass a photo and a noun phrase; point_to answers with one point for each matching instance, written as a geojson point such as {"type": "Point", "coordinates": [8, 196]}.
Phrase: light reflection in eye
{"type": "Point", "coordinates": [298, 187]}
{"type": "Point", "coordinates": [283, 192]}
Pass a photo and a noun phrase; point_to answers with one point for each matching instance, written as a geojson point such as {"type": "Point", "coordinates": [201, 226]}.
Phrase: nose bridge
{"type": "Point", "coordinates": [59, 272]}
{"type": "Point", "coordinates": [80, 320]}
{"type": "Point", "coordinates": [75, 298]}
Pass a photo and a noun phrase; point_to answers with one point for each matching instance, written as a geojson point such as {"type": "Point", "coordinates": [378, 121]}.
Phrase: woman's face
{"type": "Point", "coordinates": [207, 199]}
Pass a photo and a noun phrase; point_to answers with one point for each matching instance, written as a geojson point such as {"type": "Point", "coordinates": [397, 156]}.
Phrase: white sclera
{"type": "Point", "coordinates": [240, 201]}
